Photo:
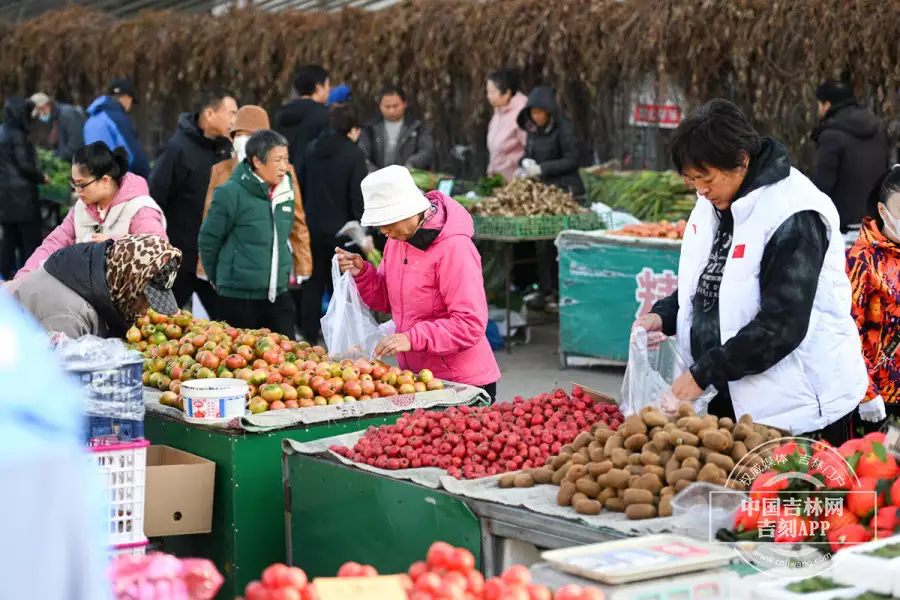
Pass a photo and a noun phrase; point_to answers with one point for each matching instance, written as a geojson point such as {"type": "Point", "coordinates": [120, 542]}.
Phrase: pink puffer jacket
{"type": "Point", "coordinates": [436, 297]}
{"type": "Point", "coordinates": [146, 220]}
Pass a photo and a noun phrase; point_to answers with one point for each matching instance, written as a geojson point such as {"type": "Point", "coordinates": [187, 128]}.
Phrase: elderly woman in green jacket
{"type": "Point", "coordinates": [243, 242]}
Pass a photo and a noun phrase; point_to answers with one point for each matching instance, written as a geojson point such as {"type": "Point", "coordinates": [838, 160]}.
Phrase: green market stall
{"type": "Point", "coordinates": [605, 283]}
{"type": "Point", "coordinates": [248, 516]}
{"type": "Point", "coordinates": [337, 513]}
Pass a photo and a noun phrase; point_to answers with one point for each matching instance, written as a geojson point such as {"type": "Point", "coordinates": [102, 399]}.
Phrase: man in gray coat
{"type": "Point", "coordinates": [396, 138]}
{"type": "Point", "coordinates": [66, 121]}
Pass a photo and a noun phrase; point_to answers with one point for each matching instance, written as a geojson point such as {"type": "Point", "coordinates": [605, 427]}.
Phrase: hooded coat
{"type": "Point", "coordinates": [436, 297]}
{"type": "Point", "coordinates": [505, 139]}
{"type": "Point", "coordinates": [333, 171]}
{"type": "Point", "coordinates": [552, 146]}
{"type": "Point", "coordinates": [109, 123]}
{"type": "Point", "coordinates": [180, 180]}
{"type": "Point", "coordinates": [301, 121]}
{"type": "Point", "coordinates": [70, 293]}
{"type": "Point", "coordinates": [147, 219]}
{"type": "Point", "coordinates": [20, 174]}
{"type": "Point", "coordinates": [873, 264]}
{"type": "Point", "coordinates": [853, 151]}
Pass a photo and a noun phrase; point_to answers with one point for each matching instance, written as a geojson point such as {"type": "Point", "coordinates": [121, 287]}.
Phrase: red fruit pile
{"type": "Point", "coordinates": [478, 442]}
{"type": "Point", "coordinates": [281, 582]}
{"type": "Point", "coordinates": [449, 573]}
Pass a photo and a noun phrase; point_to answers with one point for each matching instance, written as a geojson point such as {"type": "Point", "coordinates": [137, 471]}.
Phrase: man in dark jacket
{"type": "Point", "coordinates": [396, 138]}
{"type": "Point", "coordinates": [551, 151]}
{"type": "Point", "coordinates": [180, 179]}
{"type": "Point", "coordinates": [302, 119]}
{"type": "Point", "coordinates": [332, 197]}
{"type": "Point", "coordinates": [853, 151]}
{"type": "Point", "coordinates": [20, 176]}
{"type": "Point", "coordinates": [66, 123]}
{"type": "Point", "coordinates": [108, 122]}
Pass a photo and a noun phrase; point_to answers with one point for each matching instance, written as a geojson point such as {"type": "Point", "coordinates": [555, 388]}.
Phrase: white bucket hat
{"type": "Point", "coordinates": [390, 195]}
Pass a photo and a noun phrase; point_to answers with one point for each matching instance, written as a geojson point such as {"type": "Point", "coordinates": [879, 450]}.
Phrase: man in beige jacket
{"type": "Point", "coordinates": [250, 119]}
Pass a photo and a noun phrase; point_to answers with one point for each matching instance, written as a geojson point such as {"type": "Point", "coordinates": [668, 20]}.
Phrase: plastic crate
{"type": "Point", "coordinates": [107, 388]}
{"type": "Point", "coordinates": [124, 430]}
{"type": "Point", "coordinates": [124, 469]}
{"type": "Point", "coordinates": [535, 227]}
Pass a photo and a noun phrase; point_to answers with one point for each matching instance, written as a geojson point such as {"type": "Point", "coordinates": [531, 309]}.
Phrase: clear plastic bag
{"type": "Point", "coordinates": [349, 329]}
{"type": "Point", "coordinates": [110, 375]}
{"type": "Point", "coordinates": [654, 363]}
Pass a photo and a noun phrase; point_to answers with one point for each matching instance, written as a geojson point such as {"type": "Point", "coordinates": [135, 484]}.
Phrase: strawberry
{"type": "Point", "coordinates": [747, 518]}
{"type": "Point", "coordinates": [849, 535]}
{"type": "Point", "coordinates": [877, 463]}
{"type": "Point", "coordinates": [862, 500]}
{"type": "Point", "coordinates": [766, 486]}
{"type": "Point", "coordinates": [886, 518]}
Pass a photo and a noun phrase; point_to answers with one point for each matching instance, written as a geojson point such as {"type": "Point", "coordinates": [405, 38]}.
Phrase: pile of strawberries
{"type": "Point", "coordinates": [478, 442]}
{"type": "Point", "coordinates": [447, 573]}
{"type": "Point", "coordinates": [859, 481]}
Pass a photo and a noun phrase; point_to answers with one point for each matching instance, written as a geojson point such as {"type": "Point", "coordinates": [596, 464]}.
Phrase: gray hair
{"type": "Point", "coordinates": [262, 143]}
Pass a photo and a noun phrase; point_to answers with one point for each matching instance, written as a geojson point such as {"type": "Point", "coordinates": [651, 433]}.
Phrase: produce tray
{"type": "Point", "coordinates": [525, 228]}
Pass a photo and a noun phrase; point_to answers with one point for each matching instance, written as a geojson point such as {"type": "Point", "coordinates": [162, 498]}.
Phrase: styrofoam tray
{"type": "Point", "coordinates": [882, 575]}
{"type": "Point", "coordinates": [777, 590]}
{"type": "Point", "coordinates": [637, 559]}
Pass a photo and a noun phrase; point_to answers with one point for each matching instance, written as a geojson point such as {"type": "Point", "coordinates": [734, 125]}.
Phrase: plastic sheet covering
{"type": "Point", "coordinates": [110, 375]}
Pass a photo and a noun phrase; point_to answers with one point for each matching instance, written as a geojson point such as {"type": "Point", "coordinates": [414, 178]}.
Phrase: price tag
{"type": "Point", "coordinates": [445, 186]}
{"type": "Point", "coordinates": [388, 587]}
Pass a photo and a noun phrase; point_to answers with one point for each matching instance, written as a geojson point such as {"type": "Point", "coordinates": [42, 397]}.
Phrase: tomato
{"type": "Point", "coordinates": [456, 580]}
{"type": "Point", "coordinates": [428, 582]}
{"type": "Point", "coordinates": [593, 593]}
{"type": "Point", "coordinates": [256, 591]}
{"type": "Point", "coordinates": [367, 571]}
{"type": "Point", "coordinates": [462, 560]}
{"type": "Point", "coordinates": [350, 569]}
{"type": "Point", "coordinates": [539, 592]}
{"type": "Point", "coordinates": [494, 589]}
{"type": "Point", "coordinates": [439, 555]}
{"type": "Point", "coordinates": [282, 576]}
{"type": "Point", "coordinates": [417, 569]}
{"type": "Point", "coordinates": [474, 582]}
{"type": "Point", "coordinates": [569, 592]}
{"type": "Point", "coordinates": [517, 592]}
{"type": "Point", "coordinates": [285, 594]}
{"type": "Point", "coordinates": [517, 575]}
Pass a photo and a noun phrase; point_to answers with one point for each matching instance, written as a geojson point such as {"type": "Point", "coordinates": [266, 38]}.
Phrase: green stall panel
{"type": "Point", "coordinates": [605, 283]}
{"type": "Point", "coordinates": [339, 514]}
{"type": "Point", "coordinates": [248, 528]}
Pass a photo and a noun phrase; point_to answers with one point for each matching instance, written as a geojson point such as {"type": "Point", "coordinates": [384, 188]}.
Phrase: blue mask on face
{"type": "Point", "coordinates": [45, 118]}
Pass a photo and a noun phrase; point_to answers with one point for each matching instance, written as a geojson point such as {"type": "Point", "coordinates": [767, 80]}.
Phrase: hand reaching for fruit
{"type": "Point", "coordinates": [348, 261]}
{"type": "Point", "coordinates": [392, 344]}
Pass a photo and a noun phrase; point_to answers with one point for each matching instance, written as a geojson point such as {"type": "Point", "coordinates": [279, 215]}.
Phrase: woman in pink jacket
{"type": "Point", "coordinates": [505, 140]}
{"type": "Point", "coordinates": [429, 281]}
{"type": "Point", "coordinates": [111, 203]}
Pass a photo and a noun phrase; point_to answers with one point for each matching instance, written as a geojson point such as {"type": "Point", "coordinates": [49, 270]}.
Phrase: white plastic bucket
{"type": "Point", "coordinates": [208, 401]}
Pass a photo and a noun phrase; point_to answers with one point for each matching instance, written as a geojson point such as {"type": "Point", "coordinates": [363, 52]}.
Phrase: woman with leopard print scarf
{"type": "Point", "coordinates": [101, 288]}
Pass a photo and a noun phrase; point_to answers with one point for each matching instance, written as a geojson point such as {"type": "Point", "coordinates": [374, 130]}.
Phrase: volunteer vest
{"type": "Point", "coordinates": [825, 377]}
{"type": "Point", "coordinates": [118, 218]}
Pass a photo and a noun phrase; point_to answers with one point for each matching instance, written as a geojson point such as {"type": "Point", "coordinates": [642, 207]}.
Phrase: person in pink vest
{"type": "Point", "coordinates": [429, 281]}
{"type": "Point", "coordinates": [505, 139]}
{"type": "Point", "coordinates": [111, 203]}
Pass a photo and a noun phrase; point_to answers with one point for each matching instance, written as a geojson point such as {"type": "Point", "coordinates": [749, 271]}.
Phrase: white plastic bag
{"type": "Point", "coordinates": [654, 363]}
{"type": "Point", "coordinates": [349, 329]}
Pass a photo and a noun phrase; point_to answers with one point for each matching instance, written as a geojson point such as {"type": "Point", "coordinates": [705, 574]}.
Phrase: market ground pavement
{"type": "Point", "coordinates": [534, 368]}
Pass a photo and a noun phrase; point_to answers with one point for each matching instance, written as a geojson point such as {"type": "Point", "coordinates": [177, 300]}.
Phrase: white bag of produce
{"type": "Point", "coordinates": [654, 363]}
{"type": "Point", "coordinates": [349, 329]}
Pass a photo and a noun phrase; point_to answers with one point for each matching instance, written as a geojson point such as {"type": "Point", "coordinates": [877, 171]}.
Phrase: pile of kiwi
{"type": "Point", "coordinates": [639, 468]}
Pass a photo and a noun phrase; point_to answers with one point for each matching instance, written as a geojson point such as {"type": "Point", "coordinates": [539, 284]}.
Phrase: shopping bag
{"type": "Point", "coordinates": [654, 363]}
{"type": "Point", "coordinates": [349, 328]}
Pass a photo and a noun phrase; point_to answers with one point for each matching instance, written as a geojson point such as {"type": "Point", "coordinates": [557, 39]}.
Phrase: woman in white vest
{"type": "Point", "coordinates": [111, 203]}
{"type": "Point", "coordinates": [762, 309]}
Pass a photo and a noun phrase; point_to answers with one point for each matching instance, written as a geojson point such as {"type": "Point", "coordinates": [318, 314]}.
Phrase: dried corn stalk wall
{"type": "Point", "coordinates": [766, 55]}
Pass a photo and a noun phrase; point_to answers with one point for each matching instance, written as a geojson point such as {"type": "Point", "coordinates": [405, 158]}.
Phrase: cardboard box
{"type": "Point", "coordinates": [179, 497]}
